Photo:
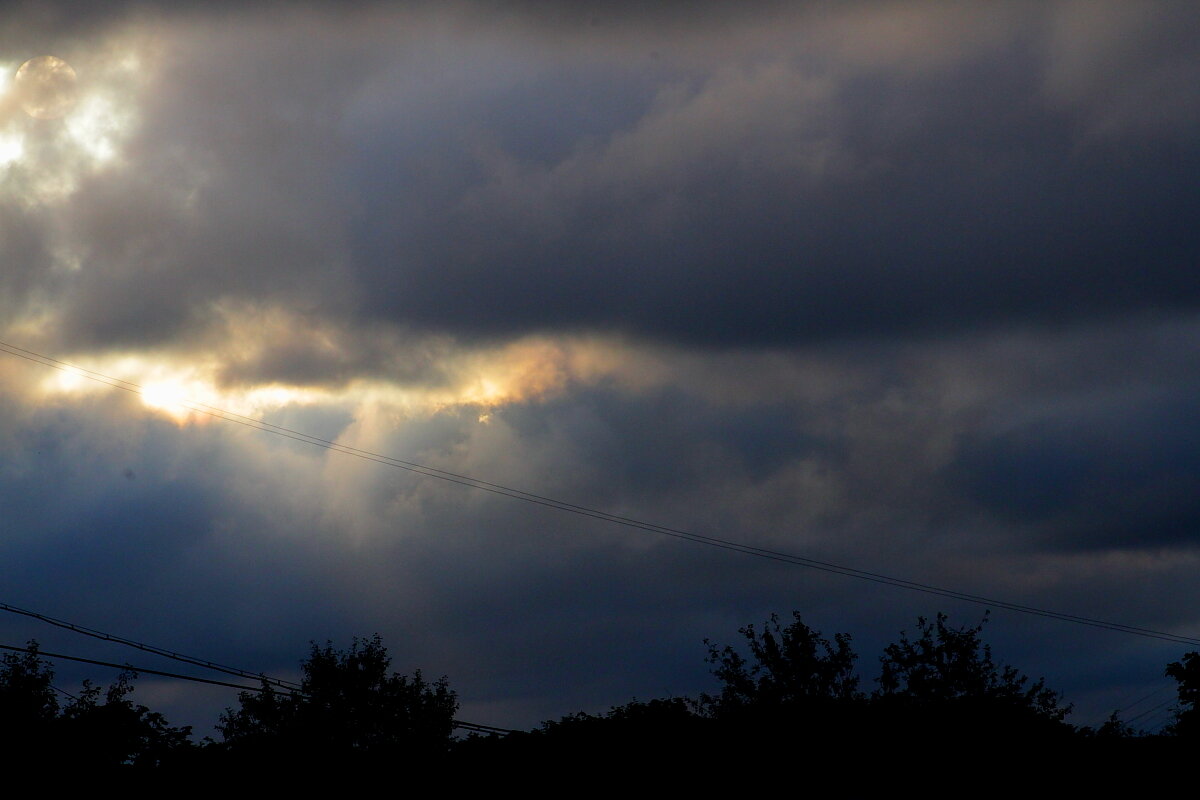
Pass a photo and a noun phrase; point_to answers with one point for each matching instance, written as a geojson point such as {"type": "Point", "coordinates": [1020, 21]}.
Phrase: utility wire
{"type": "Point", "coordinates": [149, 648]}
{"type": "Point", "coordinates": [194, 678]}
{"type": "Point", "coordinates": [63, 692]}
{"type": "Point", "coordinates": [470, 726]}
{"type": "Point", "coordinates": [1146, 697]}
{"type": "Point", "coordinates": [604, 516]}
{"type": "Point", "coordinates": [1156, 723]}
{"type": "Point", "coordinates": [1151, 710]}
{"type": "Point", "coordinates": [475, 727]}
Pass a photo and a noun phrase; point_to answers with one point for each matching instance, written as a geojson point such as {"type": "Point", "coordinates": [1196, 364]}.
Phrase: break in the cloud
{"type": "Point", "coordinates": [906, 286]}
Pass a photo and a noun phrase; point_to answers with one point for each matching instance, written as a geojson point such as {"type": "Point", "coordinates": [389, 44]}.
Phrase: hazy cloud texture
{"type": "Point", "coordinates": [906, 286]}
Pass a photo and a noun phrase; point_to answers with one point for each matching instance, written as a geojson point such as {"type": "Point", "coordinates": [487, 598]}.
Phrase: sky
{"type": "Point", "coordinates": [909, 287]}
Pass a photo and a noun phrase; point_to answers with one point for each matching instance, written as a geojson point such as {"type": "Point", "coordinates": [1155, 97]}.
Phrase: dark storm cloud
{"type": "Point", "coordinates": [1123, 473]}
{"type": "Point", "coordinates": [23, 248]}
{"type": "Point", "coordinates": [774, 178]}
{"type": "Point", "coordinates": [241, 546]}
{"type": "Point", "coordinates": [783, 201]}
{"type": "Point", "coordinates": [107, 510]}
{"type": "Point", "coordinates": [870, 172]}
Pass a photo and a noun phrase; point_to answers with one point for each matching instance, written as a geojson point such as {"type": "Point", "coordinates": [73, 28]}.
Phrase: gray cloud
{"type": "Point", "coordinates": [895, 285]}
{"type": "Point", "coordinates": [479, 184]}
{"type": "Point", "coordinates": [1109, 474]}
{"type": "Point", "coordinates": [779, 202]}
{"type": "Point", "coordinates": [256, 544]}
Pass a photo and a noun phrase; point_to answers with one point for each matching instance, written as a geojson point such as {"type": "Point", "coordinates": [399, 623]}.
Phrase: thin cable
{"type": "Point", "coordinates": [471, 726]}
{"type": "Point", "coordinates": [585, 511]}
{"type": "Point", "coordinates": [132, 668]}
{"type": "Point", "coordinates": [148, 648]}
{"type": "Point", "coordinates": [1144, 698]}
{"type": "Point", "coordinates": [1151, 710]}
{"type": "Point", "coordinates": [477, 728]}
{"type": "Point", "coordinates": [63, 692]}
{"type": "Point", "coordinates": [1159, 721]}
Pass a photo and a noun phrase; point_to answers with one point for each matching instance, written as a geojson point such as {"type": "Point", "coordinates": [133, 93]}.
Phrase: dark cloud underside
{"type": "Point", "coordinates": [906, 286]}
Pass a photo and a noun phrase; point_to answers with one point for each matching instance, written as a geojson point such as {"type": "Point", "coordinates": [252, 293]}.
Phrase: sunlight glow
{"type": "Point", "coordinates": [95, 127]}
{"type": "Point", "coordinates": [12, 148]}
{"type": "Point", "coordinates": [187, 389]}
{"type": "Point", "coordinates": [184, 395]}
{"type": "Point", "coordinates": [69, 380]}
{"type": "Point", "coordinates": [166, 396]}
{"type": "Point", "coordinates": [46, 160]}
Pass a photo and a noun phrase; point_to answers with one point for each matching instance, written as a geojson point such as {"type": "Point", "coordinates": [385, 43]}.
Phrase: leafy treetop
{"type": "Point", "coordinates": [349, 703]}
{"type": "Point", "coordinates": [944, 663]}
{"type": "Point", "coordinates": [786, 666]}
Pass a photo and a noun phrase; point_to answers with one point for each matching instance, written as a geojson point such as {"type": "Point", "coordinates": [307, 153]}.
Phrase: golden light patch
{"type": "Point", "coordinates": [12, 148]}
{"type": "Point", "coordinates": [46, 87]}
{"type": "Point", "coordinates": [57, 125]}
{"type": "Point", "coordinates": [187, 389]}
{"type": "Point", "coordinates": [183, 394]}
{"type": "Point", "coordinates": [70, 380]}
{"type": "Point", "coordinates": [168, 397]}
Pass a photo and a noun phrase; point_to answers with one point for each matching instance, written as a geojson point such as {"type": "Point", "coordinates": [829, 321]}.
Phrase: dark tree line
{"type": "Point", "coordinates": [94, 728]}
{"type": "Point", "coordinates": [790, 701]}
{"type": "Point", "coordinates": [786, 690]}
{"type": "Point", "coordinates": [350, 710]}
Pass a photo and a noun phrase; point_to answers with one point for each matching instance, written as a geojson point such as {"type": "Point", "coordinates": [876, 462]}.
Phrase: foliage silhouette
{"type": "Point", "coordinates": [114, 733]}
{"type": "Point", "coordinates": [1186, 673]}
{"type": "Point", "coordinates": [945, 664]}
{"type": "Point", "coordinates": [348, 708]}
{"type": "Point", "coordinates": [944, 685]}
{"type": "Point", "coordinates": [1112, 728]}
{"type": "Point", "coordinates": [787, 666]}
{"type": "Point", "coordinates": [788, 688]}
{"type": "Point", "coordinates": [28, 703]}
{"type": "Point", "coordinates": [635, 741]}
{"type": "Point", "coordinates": [117, 731]}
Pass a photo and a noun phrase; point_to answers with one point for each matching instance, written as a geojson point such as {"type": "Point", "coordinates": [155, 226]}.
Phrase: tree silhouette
{"type": "Point", "coordinates": [348, 708]}
{"type": "Point", "coordinates": [944, 684]}
{"type": "Point", "coordinates": [786, 666]}
{"type": "Point", "coordinates": [946, 663]}
{"type": "Point", "coordinates": [787, 690]}
{"type": "Point", "coordinates": [1186, 673]}
{"type": "Point", "coordinates": [118, 731]}
{"type": "Point", "coordinates": [114, 733]}
{"type": "Point", "coordinates": [28, 703]}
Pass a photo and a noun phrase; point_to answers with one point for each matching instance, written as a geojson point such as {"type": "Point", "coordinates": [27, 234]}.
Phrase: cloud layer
{"type": "Point", "coordinates": [897, 285]}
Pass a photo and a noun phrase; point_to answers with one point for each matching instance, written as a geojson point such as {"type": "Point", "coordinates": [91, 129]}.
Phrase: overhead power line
{"type": "Point", "coordinates": [1149, 711]}
{"type": "Point", "coordinates": [1145, 697]}
{"type": "Point", "coordinates": [462, 724]}
{"type": "Point", "coordinates": [176, 675]}
{"type": "Point", "coordinates": [149, 648]}
{"type": "Point", "coordinates": [604, 516]}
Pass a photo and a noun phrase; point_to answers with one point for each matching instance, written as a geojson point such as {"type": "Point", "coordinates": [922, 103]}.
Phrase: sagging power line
{"type": "Point", "coordinates": [149, 648]}
{"type": "Point", "coordinates": [458, 723]}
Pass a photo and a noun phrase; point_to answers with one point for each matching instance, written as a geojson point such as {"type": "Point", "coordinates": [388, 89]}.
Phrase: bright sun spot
{"type": "Point", "coordinates": [95, 127]}
{"type": "Point", "coordinates": [188, 390]}
{"type": "Point", "coordinates": [69, 379]}
{"type": "Point", "coordinates": [50, 147]}
{"type": "Point", "coordinates": [185, 395]}
{"type": "Point", "coordinates": [12, 148]}
{"type": "Point", "coordinates": [166, 396]}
